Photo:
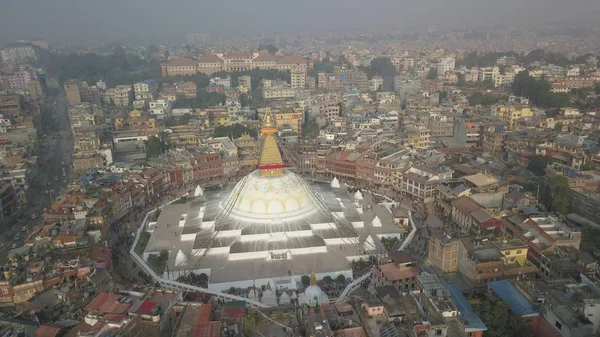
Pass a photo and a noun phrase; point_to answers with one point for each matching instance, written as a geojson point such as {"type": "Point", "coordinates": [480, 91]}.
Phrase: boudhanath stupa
{"type": "Point", "coordinates": [269, 226]}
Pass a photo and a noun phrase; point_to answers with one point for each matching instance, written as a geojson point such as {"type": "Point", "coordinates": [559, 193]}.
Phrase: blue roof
{"type": "Point", "coordinates": [467, 314]}
{"type": "Point", "coordinates": [149, 81]}
{"type": "Point", "coordinates": [517, 302]}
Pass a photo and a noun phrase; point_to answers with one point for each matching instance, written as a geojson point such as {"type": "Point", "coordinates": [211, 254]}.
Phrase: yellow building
{"type": "Point", "coordinates": [291, 117]}
{"type": "Point", "coordinates": [119, 123]}
{"type": "Point", "coordinates": [217, 116]}
{"type": "Point", "coordinates": [510, 114]}
{"type": "Point", "coordinates": [135, 114]}
{"type": "Point", "coordinates": [247, 150]}
{"type": "Point", "coordinates": [418, 137]}
{"type": "Point", "coordinates": [514, 251]}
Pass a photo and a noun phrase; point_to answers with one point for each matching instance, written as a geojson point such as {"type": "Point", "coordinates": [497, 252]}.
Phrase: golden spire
{"type": "Point", "coordinates": [268, 125]}
{"type": "Point", "coordinates": [268, 286]}
{"type": "Point", "coordinates": [270, 163]}
{"type": "Point", "coordinates": [313, 279]}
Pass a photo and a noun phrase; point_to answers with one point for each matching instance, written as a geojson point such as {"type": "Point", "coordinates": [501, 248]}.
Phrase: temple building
{"type": "Point", "coordinates": [270, 228]}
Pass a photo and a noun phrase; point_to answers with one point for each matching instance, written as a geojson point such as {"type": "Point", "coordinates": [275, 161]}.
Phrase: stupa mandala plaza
{"type": "Point", "coordinates": [272, 227]}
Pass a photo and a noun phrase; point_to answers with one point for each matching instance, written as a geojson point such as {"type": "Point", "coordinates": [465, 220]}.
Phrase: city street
{"type": "Point", "coordinates": [55, 146]}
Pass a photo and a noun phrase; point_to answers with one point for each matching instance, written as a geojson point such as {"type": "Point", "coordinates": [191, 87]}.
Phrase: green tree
{"type": "Point", "coordinates": [384, 67]}
{"type": "Point", "coordinates": [558, 126]}
{"type": "Point", "coordinates": [561, 194]}
{"type": "Point", "coordinates": [537, 165]}
{"type": "Point", "coordinates": [152, 49]}
{"type": "Point", "coordinates": [249, 323]}
{"type": "Point", "coordinates": [203, 100]}
{"type": "Point", "coordinates": [590, 239]}
{"type": "Point", "coordinates": [305, 279]}
{"type": "Point", "coordinates": [92, 67]}
{"type": "Point", "coordinates": [461, 80]}
{"type": "Point", "coordinates": [269, 47]}
{"type": "Point", "coordinates": [234, 130]}
{"type": "Point", "coordinates": [323, 66]}
{"type": "Point", "coordinates": [538, 91]}
{"type": "Point", "coordinates": [328, 279]}
{"type": "Point", "coordinates": [432, 74]}
{"type": "Point", "coordinates": [155, 146]}
{"type": "Point", "coordinates": [341, 278]}
{"type": "Point", "coordinates": [180, 120]}
{"type": "Point", "coordinates": [501, 322]}
{"type": "Point", "coordinates": [479, 98]}
{"type": "Point", "coordinates": [310, 130]}
{"type": "Point", "coordinates": [588, 167]}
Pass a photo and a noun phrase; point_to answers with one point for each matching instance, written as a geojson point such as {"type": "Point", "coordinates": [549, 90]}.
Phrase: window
{"type": "Point", "coordinates": [558, 325]}
{"type": "Point", "coordinates": [4, 291]}
{"type": "Point", "coordinates": [438, 332]}
{"type": "Point", "coordinates": [519, 251]}
{"type": "Point", "coordinates": [508, 253]}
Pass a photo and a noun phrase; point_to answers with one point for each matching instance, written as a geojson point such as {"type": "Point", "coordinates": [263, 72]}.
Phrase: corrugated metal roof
{"type": "Point", "coordinates": [517, 302]}
{"type": "Point", "coordinates": [467, 314]}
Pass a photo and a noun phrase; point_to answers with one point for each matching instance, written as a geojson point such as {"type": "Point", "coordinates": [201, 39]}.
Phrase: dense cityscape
{"type": "Point", "coordinates": [441, 182]}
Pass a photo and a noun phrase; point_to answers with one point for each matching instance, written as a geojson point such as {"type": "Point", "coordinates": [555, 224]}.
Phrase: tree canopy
{"type": "Point", "coordinates": [500, 321]}
{"type": "Point", "coordinates": [202, 101]}
{"type": "Point", "coordinates": [432, 74]}
{"type": "Point", "coordinates": [540, 55]}
{"type": "Point", "coordinates": [179, 120]}
{"type": "Point", "coordinates": [590, 239]}
{"type": "Point", "coordinates": [561, 194]}
{"type": "Point", "coordinates": [268, 47]}
{"type": "Point", "coordinates": [234, 130]}
{"type": "Point", "coordinates": [324, 66]}
{"type": "Point", "coordinates": [479, 98]}
{"type": "Point", "coordinates": [383, 67]}
{"type": "Point", "coordinates": [92, 67]}
{"type": "Point", "coordinates": [538, 91]}
{"type": "Point", "coordinates": [155, 146]}
{"type": "Point", "coordinates": [537, 164]}
{"type": "Point", "coordinates": [310, 129]}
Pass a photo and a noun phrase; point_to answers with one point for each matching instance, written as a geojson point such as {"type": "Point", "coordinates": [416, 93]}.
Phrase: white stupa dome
{"type": "Point", "coordinates": [199, 191]}
{"type": "Point", "coordinates": [335, 183]}
{"type": "Point", "coordinates": [284, 299]}
{"type": "Point", "coordinates": [279, 197]}
{"type": "Point", "coordinates": [376, 222]}
{"type": "Point", "coordinates": [313, 295]}
{"type": "Point", "coordinates": [358, 195]}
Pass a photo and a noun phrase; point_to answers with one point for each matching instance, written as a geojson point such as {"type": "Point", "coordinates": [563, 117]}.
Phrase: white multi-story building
{"type": "Point", "coordinates": [421, 182]}
{"type": "Point", "coordinates": [488, 73]}
{"type": "Point", "coordinates": [145, 89]}
{"type": "Point", "coordinates": [279, 92]}
{"type": "Point", "coordinates": [16, 54]}
{"type": "Point", "coordinates": [503, 79]}
{"type": "Point", "coordinates": [446, 65]}
{"type": "Point", "coordinates": [376, 83]}
{"type": "Point", "coordinates": [575, 71]}
{"type": "Point", "coordinates": [20, 80]}
{"type": "Point", "coordinates": [298, 77]}
{"type": "Point", "coordinates": [160, 107]}
{"type": "Point", "coordinates": [225, 82]}
{"type": "Point", "coordinates": [121, 95]}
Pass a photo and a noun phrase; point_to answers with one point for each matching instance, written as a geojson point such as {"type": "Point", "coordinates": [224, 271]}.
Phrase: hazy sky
{"type": "Point", "coordinates": [113, 20]}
